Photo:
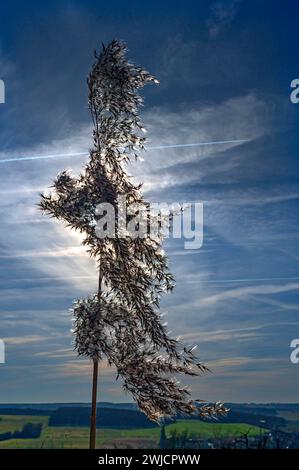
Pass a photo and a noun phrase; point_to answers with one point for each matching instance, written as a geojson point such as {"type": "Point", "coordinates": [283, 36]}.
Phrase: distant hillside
{"type": "Point", "coordinates": [24, 412]}
{"type": "Point", "coordinates": [106, 417]}
{"type": "Point", "coordinates": [113, 417]}
{"type": "Point", "coordinates": [271, 416]}
{"type": "Point", "coordinates": [266, 408]}
{"type": "Point", "coordinates": [269, 421]}
{"type": "Point", "coordinates": [55, 406]}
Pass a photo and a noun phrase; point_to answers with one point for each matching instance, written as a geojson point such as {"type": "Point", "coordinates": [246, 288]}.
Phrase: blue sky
{"type": "Point", "coordinates": [225, 69]}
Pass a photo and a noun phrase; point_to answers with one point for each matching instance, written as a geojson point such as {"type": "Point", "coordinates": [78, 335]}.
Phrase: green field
{"type": "Point", "coordinates": [16, 422]}
{"type": "Point", "coordinates": [77, 437]}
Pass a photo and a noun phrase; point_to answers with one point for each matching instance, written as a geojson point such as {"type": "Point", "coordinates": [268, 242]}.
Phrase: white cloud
{"type": "Point", "coordinates": [80, 369]}
{"type": "Point", "coordinates": [244, 292]}
{"type": "Point", "coordinates": [50, 249]}
{"type": "Point", "coordinates": [22, 340]}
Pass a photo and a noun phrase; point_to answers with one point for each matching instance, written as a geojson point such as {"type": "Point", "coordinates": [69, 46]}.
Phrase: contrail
{"type": "Point", "coordinates": [159, 147]}
{"type": "Point", "coordinates": [253, 279]}
{"type": "Point", "coordinates": [41, 157]}
{"type": "Point", "coordinates": [215, 142]}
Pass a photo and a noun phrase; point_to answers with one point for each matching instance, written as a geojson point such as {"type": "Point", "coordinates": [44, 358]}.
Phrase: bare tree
{"type": "Point", "coordinates": [244, 439]}
{"type": "Point", "coordinates": [121, 322]}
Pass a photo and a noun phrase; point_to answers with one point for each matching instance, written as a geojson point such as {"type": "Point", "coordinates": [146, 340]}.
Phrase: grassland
{"type": "Point", "coordinates": [77, 437]}
{"type": "Point", "coordinates": [16, 422]}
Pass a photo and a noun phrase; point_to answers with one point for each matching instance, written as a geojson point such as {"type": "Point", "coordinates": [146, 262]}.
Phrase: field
{"type": "Point", "coordinates": [16, 422]}
{"type": "Point", "coordinates": [77, 437]}
{"type": "Point", "coordinates": [292, 420]}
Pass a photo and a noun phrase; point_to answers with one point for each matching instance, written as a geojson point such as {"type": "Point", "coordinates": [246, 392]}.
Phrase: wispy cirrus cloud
{"type": "Point", "coordinates": [245, 292]}
{"type": "Point", "coordinates": [79, 368]}
{"type": "Point", "coordinates": [231, 296]}
{"type": "Point", "coordinates": [22, 340]}
{"type": "Point", "coordinates": [223, 14]}
{"type": "Point", "coordinates": [46, 245]}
